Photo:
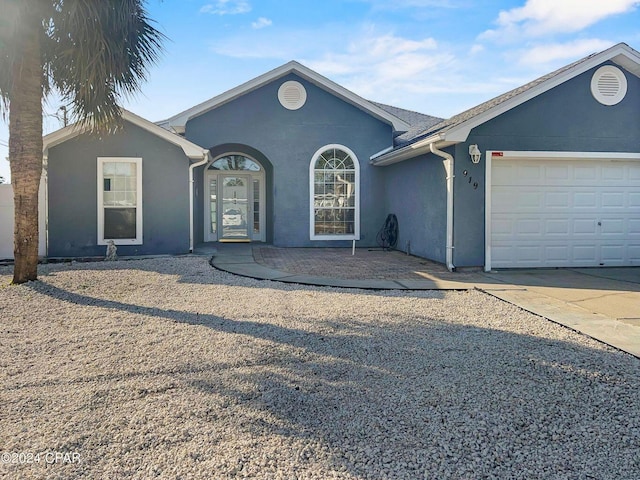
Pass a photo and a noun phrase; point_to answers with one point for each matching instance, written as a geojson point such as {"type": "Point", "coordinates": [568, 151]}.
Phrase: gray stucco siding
{"type": "Point", "coordinates": [468, 208]}
{"type": "Point", "coordinates": [565, 118]}
{"type": "Point", "coordinates": [568, 118]}
{"type": "Point", "coordinates": [72, 193]}
{"type": "Point", "coordinates": [289, 139]}
{"type": "Point", "coordinates": [416, 193]}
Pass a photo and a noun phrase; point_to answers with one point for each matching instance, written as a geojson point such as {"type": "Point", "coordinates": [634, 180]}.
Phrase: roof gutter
{"type": "Point", "coordinates": [205, 159]}
{"type": "Point", "coordinates": [448, 166]}
{"type": "Point", "coordinates": [383, 158]}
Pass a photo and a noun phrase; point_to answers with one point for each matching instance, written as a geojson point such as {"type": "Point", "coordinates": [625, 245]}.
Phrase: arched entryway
{"type": "Point", "coordinates": [235, 199]}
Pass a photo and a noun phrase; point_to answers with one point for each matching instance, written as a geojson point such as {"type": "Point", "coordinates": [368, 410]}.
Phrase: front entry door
{"type": "Point", "coordinates": [234, 200]}
{"type": "Point", "coordinates": [236, 208]}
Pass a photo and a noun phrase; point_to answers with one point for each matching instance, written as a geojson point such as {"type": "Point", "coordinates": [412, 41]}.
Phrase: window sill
{"type": "Point", "coordinates": [121, 241]}
{"type": "Point", "coordinates": [335, 237]}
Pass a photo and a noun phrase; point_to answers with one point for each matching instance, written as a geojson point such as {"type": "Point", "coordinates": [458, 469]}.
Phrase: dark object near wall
{"type": "Point", "coordinates": [387, 237]}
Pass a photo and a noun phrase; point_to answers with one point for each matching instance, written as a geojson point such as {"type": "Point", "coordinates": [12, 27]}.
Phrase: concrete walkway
{"type": "Point", "coordinates": [603, 303]}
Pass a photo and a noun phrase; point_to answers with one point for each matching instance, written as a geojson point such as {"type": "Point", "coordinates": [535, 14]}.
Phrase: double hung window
{"type": "Point", "coordinates": [120, 201]}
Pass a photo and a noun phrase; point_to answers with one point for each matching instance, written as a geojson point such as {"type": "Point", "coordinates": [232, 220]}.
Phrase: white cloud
{"type": "Point", "coordinates": [380, 66]}
{"type": "Point", "coordinates": [226, 7]}
{"type": "Point", "coordinates": [262, 22]}
{"type": "Point", "coordinates": [561, 52]}
{"type": "Point", "coordinates": [400, 4]}
{"type": "Point", "coordinates": [279, 45]}
{"type": "Point", "coordinates": [389, 54]}
{"type": "Point", "coordinates": [369, 62]}
{"type": "Point", "coordinates": [416, 73]}
{"type": "Point", "coordinates": [476, 48]}
{"type": "Point", "coordinates": [543, 17]}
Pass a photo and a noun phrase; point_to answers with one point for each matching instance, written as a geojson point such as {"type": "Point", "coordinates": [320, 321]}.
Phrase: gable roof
{"type": "Point", "coordinates": [418, 122]}
{"type": "Point", "coordinates": [177, 122]}
{"type": "Point", "coordinates": [190, 149]}
{"type": "Point", "coordinates": [457, 128]}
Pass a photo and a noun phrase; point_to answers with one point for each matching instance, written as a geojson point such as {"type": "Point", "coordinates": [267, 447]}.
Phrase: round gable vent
{"type": "Point", "coordinates": [292, 95]}
{"type": "Point", "coordinates": [609, 85]}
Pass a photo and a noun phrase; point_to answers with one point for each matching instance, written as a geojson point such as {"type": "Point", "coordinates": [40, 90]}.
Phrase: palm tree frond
{"type": "Point", "coordinates": [98, 52]}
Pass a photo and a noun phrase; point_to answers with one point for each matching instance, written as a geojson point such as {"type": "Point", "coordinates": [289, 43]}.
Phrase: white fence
{"type": "Point", "coordinates": [6, 222]}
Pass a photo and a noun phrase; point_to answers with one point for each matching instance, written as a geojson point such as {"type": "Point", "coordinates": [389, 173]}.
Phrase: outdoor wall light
{"type": "Point", "coordinates": [475, 153]}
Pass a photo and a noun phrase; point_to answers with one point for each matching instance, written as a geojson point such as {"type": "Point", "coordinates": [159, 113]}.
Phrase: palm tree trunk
{"type": "Point", "coordinates": [25, 150]}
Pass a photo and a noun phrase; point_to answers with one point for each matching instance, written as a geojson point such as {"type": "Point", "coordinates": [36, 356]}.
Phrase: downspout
{"type": "Point", "coordinates": [448, 166]}
{"type": "Point", "coordinates": [45, 174]}
{"type": "Point", "coordinates": [205, 159]}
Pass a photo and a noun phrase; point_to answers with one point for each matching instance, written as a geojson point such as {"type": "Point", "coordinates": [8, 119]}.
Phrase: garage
{"type": "Point", "coordinates": [562, 209]}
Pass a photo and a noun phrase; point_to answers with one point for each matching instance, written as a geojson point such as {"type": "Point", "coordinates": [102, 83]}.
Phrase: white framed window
{"type": "Point", "coordinates": [334, 185]}
{"type": "Point", "coordinates": [120, 200]}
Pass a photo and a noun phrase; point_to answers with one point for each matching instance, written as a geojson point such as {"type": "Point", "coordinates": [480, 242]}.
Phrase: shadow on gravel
{"type": "Point", "coordinates": [204, 275]}
{"type": "Point", "coordinates": [414, 399]}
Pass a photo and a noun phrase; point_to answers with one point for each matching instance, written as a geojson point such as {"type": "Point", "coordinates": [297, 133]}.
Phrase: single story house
{"type": "Point", "coordinates": [546, 175]}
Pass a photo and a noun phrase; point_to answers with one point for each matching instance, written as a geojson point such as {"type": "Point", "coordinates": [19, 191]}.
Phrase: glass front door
{"type": "Point", "coordinates": [237, 216]}
{"type": "Point", "coordinates": [235, 202]}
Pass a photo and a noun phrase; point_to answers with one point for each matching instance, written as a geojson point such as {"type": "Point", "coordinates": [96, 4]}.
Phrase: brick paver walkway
{"type": "Point", "coordinates": [339, 263]}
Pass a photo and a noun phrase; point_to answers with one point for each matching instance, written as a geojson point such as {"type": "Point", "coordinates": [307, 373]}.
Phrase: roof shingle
{"type": "Point", "coordinates": [418, 122]}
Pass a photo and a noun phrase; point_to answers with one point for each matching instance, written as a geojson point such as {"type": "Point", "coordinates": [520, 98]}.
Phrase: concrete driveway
{"type": "Point", "coordinates": [603, 303]}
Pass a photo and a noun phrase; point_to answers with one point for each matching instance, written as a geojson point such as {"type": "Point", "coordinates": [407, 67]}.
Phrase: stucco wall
{"type": "Point", "coordinates": [288, 139]}
{"type": "Point", "coordinates": [566, 118]}
{"type": "Point", "coordinates": [73, 193]}
{"type": "Point", "coordinates": [416, 193]}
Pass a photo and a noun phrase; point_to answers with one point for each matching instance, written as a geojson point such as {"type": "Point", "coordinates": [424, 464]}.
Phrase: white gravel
{"type": "Point", "coordinates": [167, 368]}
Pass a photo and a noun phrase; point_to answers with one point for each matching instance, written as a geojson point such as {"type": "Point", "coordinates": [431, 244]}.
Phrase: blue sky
{"type": "Point", "coordinates": [435, 56]}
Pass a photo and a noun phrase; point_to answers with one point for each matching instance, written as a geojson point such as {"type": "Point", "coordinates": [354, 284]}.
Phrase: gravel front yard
{"type": "Point", "coordinates": [167, 368]}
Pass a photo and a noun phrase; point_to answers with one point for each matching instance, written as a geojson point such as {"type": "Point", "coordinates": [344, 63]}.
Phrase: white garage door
{"type": "Point", "coordinates": [559, 212]}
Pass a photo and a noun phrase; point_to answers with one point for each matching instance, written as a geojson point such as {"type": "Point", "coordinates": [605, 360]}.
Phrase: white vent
{"type": "Point", "coordinates": [609, 85]}
{"type": "Point", "coordinates": [292, 95]}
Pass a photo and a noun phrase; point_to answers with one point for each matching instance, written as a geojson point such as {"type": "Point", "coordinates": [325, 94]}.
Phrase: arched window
{"type": "Point", "coordinates": [235, 162]}
{"type": "Point", "coordinates": [335, 194]}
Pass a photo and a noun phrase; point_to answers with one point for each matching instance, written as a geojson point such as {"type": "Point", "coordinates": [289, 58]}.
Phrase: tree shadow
{"type": "Point", "coordinates": [201, 274]}
{"type": "Point", "coordinates": [424, 398]}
